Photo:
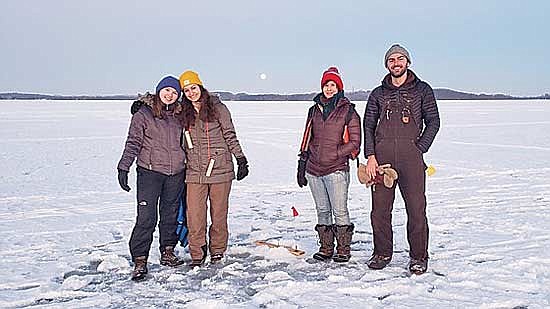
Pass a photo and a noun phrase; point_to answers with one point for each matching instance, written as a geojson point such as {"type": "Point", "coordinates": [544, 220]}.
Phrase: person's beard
{"type": "Point", "coordinates": [397, 75]}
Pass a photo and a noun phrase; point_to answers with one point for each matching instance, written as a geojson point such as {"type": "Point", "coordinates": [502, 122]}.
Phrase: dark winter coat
{"type": "Point", "coordinates": [220, 143]}
{"type": "Point", "coordinates": [415, 96]}
{"type": "Point", "coordinates": [326, 151]}
{"type": "Point", "coordinates": [155, 141]}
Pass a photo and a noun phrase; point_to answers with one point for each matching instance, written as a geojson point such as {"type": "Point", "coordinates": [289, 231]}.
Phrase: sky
{"type": "Point", "coordinates": [124, 47]}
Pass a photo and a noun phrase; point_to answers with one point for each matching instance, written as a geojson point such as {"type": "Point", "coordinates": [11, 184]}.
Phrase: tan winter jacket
{"type": "Point", "coordinates": [218, 143]}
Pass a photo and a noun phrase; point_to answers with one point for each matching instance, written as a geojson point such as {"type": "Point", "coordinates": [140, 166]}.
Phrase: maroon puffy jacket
{"type": "Point", "coordinates": [326, 150]}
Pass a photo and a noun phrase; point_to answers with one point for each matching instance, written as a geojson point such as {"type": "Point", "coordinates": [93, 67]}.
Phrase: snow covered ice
{"type": "Point", "coordinates": [65, 223]}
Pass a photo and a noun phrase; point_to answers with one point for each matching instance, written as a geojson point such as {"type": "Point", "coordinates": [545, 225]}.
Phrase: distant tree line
{"type": "Point", "coordinates": [361, 95]}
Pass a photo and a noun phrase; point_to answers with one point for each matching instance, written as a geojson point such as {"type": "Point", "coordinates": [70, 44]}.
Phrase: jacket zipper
{"type": "Point", "coordinates": [332, 114]}
{"type": "Point", "coordinates": [168, 142]}
{"type": "Point", "coordinates": [199, 154]}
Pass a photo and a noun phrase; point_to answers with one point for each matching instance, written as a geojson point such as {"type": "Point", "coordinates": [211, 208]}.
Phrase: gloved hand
{"type": "Point", "coordinates": [123, 180]}
{"type": "Point", "coordinates": [136, 106]}
{"type": "Point", "coordinates": [242, 169]}
{"type": "Point", "coordinates": [301, 176]}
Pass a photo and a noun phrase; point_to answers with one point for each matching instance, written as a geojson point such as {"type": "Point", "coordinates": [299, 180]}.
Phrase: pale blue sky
{"type": "Point", "coordinates": [124, 47]}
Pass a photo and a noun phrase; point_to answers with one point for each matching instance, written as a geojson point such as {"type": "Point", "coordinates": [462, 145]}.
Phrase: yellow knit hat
{"type": "Point", "coordinates": [188, 78]}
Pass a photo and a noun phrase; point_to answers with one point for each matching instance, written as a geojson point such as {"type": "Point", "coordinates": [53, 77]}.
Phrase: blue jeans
{"type": "Point", "coordinates": [330, 193]}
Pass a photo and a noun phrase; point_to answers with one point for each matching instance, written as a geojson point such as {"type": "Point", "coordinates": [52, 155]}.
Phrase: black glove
{"type": "Point", "coordinates": [123, 180]}
{"type": "Point", "coordinates": [136, 106]}
{"type": "Point", "coordinates": [242, 169]}
{"type": "Point", "coordinates": [301, 177]}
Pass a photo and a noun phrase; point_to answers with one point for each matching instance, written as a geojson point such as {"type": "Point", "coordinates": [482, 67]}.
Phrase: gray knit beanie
{"type": "Point", "coordinates": [396, 48]}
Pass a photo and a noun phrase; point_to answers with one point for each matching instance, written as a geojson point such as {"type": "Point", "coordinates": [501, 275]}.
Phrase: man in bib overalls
{"type": "Point", "coordinates": [400, 124]}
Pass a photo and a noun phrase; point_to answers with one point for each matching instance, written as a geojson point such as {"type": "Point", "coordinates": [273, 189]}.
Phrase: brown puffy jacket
{"type": "Point", "coordinates": [327, 152]}
{"type": "Point", "coordinates": [221, 142]}
{"type": "Point", "coordinates": [156, 142]}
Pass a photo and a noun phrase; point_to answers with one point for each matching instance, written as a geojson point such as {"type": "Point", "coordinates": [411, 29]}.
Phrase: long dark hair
{"type": "Point", "coordinates": [158, 105]}
{"type": "Point", "coordinates": [207, 112]}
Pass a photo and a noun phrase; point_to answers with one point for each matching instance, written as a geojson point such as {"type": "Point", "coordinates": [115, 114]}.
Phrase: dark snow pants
{"type": "Point", "coordinates": [395, 143]}
{"type": "Point", "coordinates": [152, 186]}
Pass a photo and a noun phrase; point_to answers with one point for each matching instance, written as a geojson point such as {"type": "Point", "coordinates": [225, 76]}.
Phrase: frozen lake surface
{"type": "Point", "coordinates": [65, 223]}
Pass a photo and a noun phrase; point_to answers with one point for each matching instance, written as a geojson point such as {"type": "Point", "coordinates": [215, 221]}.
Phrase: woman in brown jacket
{"type": "Point", "coordinates": [331, 138]}
{"type": "Point", "coordinates": [210, 141]}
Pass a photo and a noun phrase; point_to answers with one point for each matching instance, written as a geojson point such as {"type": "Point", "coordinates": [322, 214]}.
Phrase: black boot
{"type": "Point", "coordinates": [418, 266]}
{"type": "Point", "coordinates": [216, 257]}
{"type": "Point", "coordinates": [343, 239]}
{"type": "Point", "coordinates": [168, 258]}
{"type": "Point", "coordinates": [140, 268]}
{"type": "Point", "coordinates": [378, 261]}
{"type": "Point", "coordinates": [326, 239]}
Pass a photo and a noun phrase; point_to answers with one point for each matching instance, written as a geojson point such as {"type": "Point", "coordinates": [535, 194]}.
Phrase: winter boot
{"type": "Point", "coordinates": [216, 257]}
{"type": "Point", "coordinates": [343, 239]}
{"type": "Point", "coordinates": [168, 258]}
{"type": "Point", "coordinates": [378, 261]}
{"type": "Point", "coordinates": [418, 266]}
{"type": "Point", "coordinates": [199, 262]}
{"type": "Point", "coordinates": [326, 239]}
{"type": "Point", "coordinates": [140, 268]}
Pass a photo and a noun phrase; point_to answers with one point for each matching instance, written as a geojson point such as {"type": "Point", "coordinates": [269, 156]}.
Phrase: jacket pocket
{"type": "Point", "coordinates": [157, 159]}
{"type": "Point", "coordinates": [144, 157]}
{"type": "Point", "coordinates": [193, 160]}
{"type": "Point", "coordinates": [220, 156]}
{"type": "Point", "coordinates": [415, 146]}
{"type": "Point", "coordinates": [327, 156]}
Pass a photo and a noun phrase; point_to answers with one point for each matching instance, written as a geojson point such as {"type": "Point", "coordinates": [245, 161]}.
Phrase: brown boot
{"type": "Point", "coordinates": [199, 262]}
{"type": "Point", "coordinates": [140, 268]}
{"type": "Point", "coordinates": [168, 258]}
{"type": "Point", "coordinates": [343, 239]}
{"type": "Point", "coordinates": [326, 238]}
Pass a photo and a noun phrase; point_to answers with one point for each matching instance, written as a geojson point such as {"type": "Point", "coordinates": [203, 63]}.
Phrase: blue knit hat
{"type": "Point", "coordinates": [169, 81]}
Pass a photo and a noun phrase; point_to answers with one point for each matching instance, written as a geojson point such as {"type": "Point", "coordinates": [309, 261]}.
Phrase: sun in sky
{"type": "Point", "coordinates": [263, 76]}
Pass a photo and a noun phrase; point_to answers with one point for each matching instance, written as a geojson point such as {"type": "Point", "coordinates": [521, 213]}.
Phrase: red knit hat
{"type": "Point", "coordinates": [333, 75]}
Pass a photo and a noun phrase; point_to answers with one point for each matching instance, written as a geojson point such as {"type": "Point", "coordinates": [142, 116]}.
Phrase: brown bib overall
{"type": "Point", "coordinates": [395, 143]}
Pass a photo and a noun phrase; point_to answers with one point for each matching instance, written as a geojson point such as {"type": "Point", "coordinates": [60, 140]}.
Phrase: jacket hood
{"type": "Point", "coordinates": [215, 99]}
{"type": "Point", "coordinates": [148, 99]}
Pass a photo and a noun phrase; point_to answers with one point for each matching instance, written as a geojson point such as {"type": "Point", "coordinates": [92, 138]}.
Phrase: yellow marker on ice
{"type": "Point", "coordinates": [430, 170]}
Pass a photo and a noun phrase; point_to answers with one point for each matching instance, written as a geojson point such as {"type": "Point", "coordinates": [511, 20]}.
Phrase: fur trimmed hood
{"type": "Point", "coordinates": [148, 99]}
